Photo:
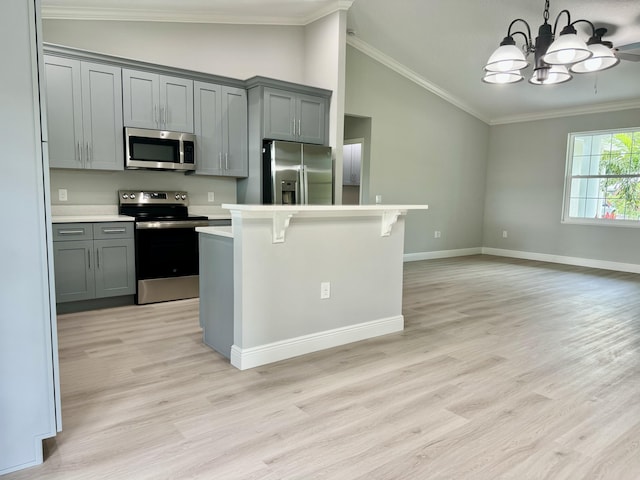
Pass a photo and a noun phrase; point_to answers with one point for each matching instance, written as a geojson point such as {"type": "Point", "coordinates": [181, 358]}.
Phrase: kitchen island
{"type": "Point", "coordinates": [285, 280]}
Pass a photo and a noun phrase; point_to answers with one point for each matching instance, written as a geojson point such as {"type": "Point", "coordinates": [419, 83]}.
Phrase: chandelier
{"type": "Point", "coordinates": [554, 58]}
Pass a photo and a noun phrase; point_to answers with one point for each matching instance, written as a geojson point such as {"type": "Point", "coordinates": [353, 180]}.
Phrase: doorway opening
{"type": "Point", "coordinates": [356, 160]}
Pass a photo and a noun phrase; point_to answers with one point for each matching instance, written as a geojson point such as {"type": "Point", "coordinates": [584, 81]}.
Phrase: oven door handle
{"type": "Point", "coordinates": [171, 224]}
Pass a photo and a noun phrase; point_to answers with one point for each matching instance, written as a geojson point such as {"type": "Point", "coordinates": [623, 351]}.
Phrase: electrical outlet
{"type": "Point", "coordinates": [325, 290]}
{"type": "Point", "coordinates": [210, 196]}
{"type": "Point", "coordinates": [437, 234]}
{"type": "Point", "coordinates": [378, 199]}
{"type": "Point", "coordinates": [504, 234]}
{"type": "Point", "coordinates": [62, 194]}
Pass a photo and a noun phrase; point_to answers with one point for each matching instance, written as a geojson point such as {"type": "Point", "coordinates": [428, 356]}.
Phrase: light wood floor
{"type": "Point", "coordinates": [507, 369]}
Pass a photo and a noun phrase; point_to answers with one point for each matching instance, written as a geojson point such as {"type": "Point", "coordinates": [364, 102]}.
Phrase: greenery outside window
{"type": "Point", "coordinates": [603, 178]}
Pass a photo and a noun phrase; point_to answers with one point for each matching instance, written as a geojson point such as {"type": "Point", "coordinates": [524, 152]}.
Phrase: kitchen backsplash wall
{"type": "Point", "coordinates": [101, 187]}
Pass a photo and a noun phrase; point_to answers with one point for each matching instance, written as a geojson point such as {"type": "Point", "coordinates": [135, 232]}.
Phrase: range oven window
{"type": "Point", "coordinates": [154, 149]}
{"type": "Point", "coordinates": [164, 253]}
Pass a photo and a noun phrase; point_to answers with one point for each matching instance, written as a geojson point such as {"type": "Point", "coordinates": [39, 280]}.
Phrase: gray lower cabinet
{"type": "Point", "coordinates": [157, 101]}
{"type": "Point", "coordinates": [295, 117]}
{"type": "Point", "coordinates": [84, 112]}
{"type": "Point", "coordinates": [93, 260]}
{"type": "Point", "coordinates": [221, 129]}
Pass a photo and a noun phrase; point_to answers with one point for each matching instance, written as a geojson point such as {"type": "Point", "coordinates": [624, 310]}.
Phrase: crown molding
{"type": "Point", "coordinates": [124, 14]}
{"type": "Point", "coordinates": [526, 117]}
{"type": "Point", "coordinates": [568, 112]}
{"type": "Point", "coordinates": [399, 68]}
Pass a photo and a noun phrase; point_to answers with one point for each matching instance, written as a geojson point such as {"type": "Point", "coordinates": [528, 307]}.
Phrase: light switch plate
{"type": "Point", "coordinates": [62, 194]}
{"type": "Point", "coordinates": [325, 290]}
{"type": "Point", "coordinates": [210, 197]}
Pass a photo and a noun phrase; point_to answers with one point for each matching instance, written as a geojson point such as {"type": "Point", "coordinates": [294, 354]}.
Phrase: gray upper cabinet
{"type": "Point", "coordinates": [157, 101]}
{"type": "Point", "coordinates": [84, 111]}
{"type": "Point", "coordinates": [221, 129]}
{"type": "Point", "coordinates": [294, 116]}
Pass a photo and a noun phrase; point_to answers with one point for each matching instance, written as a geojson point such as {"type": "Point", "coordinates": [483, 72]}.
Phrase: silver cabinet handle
{"type": "Point", "coordinates": [78, 153]}
{"type": "Point", "coordinates": [88, 154]}
{"type": "Point", "coordinates": [220, 160]}
{"type": "Point", "coordinates": [114, 230]}
{"type": "Point", "coordinates": [156, 117]}
{"type": "Point", "coordinates": [89, 258]}
{"type": "Point", "coordinates": [294, 126]}
{"type": "Point", "coordinates": [226, 161]}
{"type": "Point", "coordinates": [70, 232]}
{"type": "Point", "coordinates": [98, 258]}
{"type": "Point", "coordinates": [298, 127]}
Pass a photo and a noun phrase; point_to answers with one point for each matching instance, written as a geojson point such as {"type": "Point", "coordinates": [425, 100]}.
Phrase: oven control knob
{"type": "Point", "coordinates": [183, 196]}
{"type": "Point", "coordinates": [132, 196]}
{"type": "Point", "coordinates": [125, 196]}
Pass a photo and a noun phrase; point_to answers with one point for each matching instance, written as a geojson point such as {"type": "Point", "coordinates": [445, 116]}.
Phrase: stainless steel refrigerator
{"type": "Point", "coordinates": [296, 173]}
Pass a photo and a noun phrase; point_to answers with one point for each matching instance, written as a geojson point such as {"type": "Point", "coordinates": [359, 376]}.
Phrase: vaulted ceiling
{"type": "Point", "coordinates": [439, 44]}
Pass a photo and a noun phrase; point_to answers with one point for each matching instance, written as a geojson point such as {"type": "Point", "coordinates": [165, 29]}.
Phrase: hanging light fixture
{"type": "Point", "coordinates": [554, 58]}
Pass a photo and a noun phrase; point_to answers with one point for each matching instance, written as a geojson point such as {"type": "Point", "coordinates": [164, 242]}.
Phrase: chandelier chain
{"type": "Point", "coordinates": [546, 11]}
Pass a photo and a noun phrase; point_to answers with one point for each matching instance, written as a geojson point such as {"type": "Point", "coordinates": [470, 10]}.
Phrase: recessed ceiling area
{"type": "Point", "coordinates": [440, 44]}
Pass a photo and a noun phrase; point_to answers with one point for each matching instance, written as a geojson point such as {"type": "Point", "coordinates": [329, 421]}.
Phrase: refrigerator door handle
{"type": "Point", "coordinates": [305, 185]}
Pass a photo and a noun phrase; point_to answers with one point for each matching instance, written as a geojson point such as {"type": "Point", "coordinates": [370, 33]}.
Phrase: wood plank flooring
{"type": "Point", "coordinates": [507, 369]}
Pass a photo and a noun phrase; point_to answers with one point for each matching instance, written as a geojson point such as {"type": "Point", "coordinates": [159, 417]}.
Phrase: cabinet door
{"type": "Point", "coordinates": [310, 115]}
{"type": "Point", "coordinates": [73, 265]}
{"type": "Point", "coordinates": [208, 128]}
{"type": "Point", "coordinates": [279, 115]}
{"type": "Point", "coordinates": [234, 132]}
{"type": "Point", "coordinates": [114, 267]}
{"type": "Point", "coordinates": [176, 104]}
{"type": "Point", "coordinates": [102, 117]}
{"type": "Point", "coordinates": [64, 112]}
{"type": "Point", "coordinates": [140, 99]}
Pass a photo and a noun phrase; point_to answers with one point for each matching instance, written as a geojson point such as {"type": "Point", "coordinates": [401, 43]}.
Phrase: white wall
{"type": "Point", "coordinates": [525, 185]}
{"type": "Point", "coordinates": [237, 51]}
{"type": "Point", "coordinates": [92, 187]}
{"type": "Point", "coordinates": [325, 67]}
{"type": "Point", "coordinates": [423, 151]}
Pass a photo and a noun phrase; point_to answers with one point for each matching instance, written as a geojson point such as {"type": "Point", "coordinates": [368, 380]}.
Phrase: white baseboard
{"type": "Point", "coordinates": [577, 261]}
{"type": "Point", "coordinates": [542, 257]}
{"type": "Point", "coordinates": [461, 252]}
{"type": "Point", "coordinates": [244, 358]}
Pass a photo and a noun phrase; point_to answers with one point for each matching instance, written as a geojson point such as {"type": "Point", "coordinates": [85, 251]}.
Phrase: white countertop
{"type": "Point", "coordinates": [109, 213]}
{"type": "Point", "coordinates": [321, 208]}
{"type": "Point", "coordinates": [219, 231]}
{"type": "Point", "coordinates": [281, 215]}
{"type": "Point", "coordinates": [90, 218]}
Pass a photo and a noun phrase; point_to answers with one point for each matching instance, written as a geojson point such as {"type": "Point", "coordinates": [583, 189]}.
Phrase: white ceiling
{"type": "Point", "coordinates": [440, 44]}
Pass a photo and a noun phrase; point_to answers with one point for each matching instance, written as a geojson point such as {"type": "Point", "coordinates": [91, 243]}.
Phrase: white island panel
{"type": "Point", "coordinates": [277, 310]}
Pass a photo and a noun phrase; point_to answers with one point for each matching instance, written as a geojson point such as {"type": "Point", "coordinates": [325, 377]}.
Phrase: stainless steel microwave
{"type": "Point", "coordinates": [159, 149]}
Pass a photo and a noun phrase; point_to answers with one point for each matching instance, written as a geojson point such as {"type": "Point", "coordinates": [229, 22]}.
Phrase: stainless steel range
{"type": "Point", "coordinates": [166, 243]}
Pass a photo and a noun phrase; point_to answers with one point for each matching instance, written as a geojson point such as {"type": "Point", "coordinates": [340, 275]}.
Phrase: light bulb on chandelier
{"type": "Point", "coordinates": [554, 58]}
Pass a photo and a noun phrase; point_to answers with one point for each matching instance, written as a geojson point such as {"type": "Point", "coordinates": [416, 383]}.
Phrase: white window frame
{"type": "Point", "coordinates": [569, 177]}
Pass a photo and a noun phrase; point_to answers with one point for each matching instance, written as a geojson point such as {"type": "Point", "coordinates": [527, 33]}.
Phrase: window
{"type": "Point", "coordinates": [603, 178]}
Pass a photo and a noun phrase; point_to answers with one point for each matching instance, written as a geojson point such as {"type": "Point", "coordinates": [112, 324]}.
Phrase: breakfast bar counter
{"type": "Point", "coordinates": [285, 280]}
